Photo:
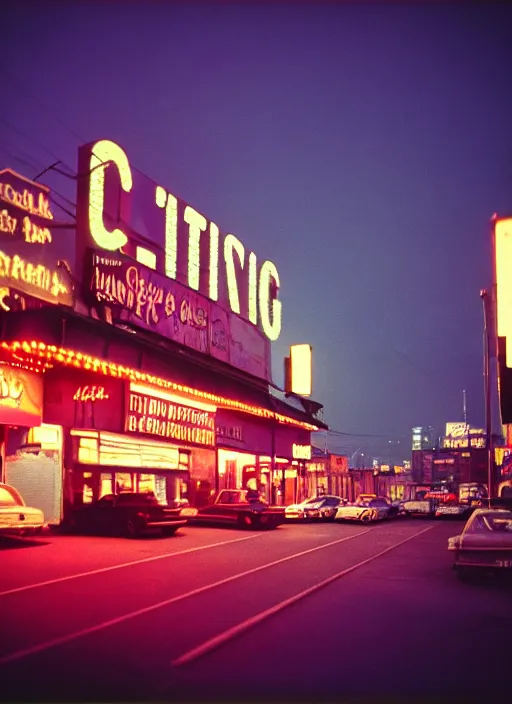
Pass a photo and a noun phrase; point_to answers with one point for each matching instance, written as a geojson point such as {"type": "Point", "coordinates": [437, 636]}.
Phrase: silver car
{"type": "Point", "coordinates": [316, 508]}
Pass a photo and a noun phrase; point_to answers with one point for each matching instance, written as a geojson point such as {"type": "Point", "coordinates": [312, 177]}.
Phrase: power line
{"type": "Point", "coordinates": [16, 130]}
{"type": "Point", "coordinates": [45, 107]}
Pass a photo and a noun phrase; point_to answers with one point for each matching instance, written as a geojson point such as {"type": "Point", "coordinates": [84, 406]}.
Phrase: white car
{"type": "Point", "coordinates": [15, 517]}
{"type": "Point", "coordinates": [365, 509]}
{"type": "Point", "coordinates": [318, 507]}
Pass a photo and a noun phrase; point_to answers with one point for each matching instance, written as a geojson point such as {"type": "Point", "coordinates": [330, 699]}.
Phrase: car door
{"type": "Point", "coordinates": [104, 515]}
{"type": "Point", "coordinates": [381, 507]}
{"type": "Point", "coordinates": [330, 506]}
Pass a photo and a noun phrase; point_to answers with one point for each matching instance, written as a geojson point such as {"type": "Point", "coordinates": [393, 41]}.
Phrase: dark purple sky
{"type": "Point", "coordinates": [363, 148]}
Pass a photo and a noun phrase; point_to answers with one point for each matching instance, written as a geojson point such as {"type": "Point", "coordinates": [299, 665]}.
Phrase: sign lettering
{"type": "Point", "coordinates": [33, 203]}
{"type": "Point", "coordinates": [90, 393]}
{"type": "Point", "coordinates": [149, 415]}
{"type": "Point", "coordinates": [188, 247]}
{"type": "Point", "coordinates": [230, 432]}
{"type": "Point", "coordinates": [301, 452]}
{"type": "Point", "coordinates": [28, 254]}
{"type": "Point", "coordinates": [144, 298]}
{"type": "Point", "coordinates": [40, 281]}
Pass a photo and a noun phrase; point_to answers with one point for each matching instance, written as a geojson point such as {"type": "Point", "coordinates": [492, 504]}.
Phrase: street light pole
{"type": "Point", "coordinates": [487, 302]}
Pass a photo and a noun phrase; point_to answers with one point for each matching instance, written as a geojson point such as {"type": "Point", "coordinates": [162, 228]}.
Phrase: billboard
{"type": "Point", "coordinates": [503, 266]}
{"type": "Point", "coordinates": [143, 298]}
{"type": "Point", "coordinates": [21, 397]}
{"type": "Point", "coordinates": [31, 265]}
{"type": "Point", "coordinates": [119, 210]}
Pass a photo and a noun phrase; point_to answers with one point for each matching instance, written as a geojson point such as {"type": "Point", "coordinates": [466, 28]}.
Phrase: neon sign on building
{"type": "Point", "coordinates": [29, 255]}
{"type": "Point", "coordinates": [503, 246]}
{"type": "Point", "coordinates": [120, 210]}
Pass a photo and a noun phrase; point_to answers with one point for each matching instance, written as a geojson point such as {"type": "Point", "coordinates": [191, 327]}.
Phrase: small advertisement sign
{"type": "Point", "coordinates": [21, 397]}
{"type": "Point", "coordinates": [31, 260]}
{"type": "Point", "coordinates": [81, 399]}
{"type": "Point", "coordinates": [165, 416]}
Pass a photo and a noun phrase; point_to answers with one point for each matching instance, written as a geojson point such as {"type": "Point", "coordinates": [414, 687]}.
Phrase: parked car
{"type": "Point", "coordinates": [129, 514]}
{"type": "Point", "coordinates": [15, 517]}
{"type": "Point", "coordinates": [244, 508]}
{"type": "Point", "coordinates": [485, 542]}
{"type": "Point", "coordinates": [316, 508]}
{"type": "Point", "coordinates": [366, 509]}
{"type": "Point", "coordinates": [461, 511]}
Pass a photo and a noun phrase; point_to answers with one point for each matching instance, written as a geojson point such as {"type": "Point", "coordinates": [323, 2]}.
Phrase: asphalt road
{"type": "Point", "coordinates": [306, 612]}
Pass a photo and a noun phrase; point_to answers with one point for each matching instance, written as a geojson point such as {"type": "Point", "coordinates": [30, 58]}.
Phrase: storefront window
{"type": "Point", "coordinates": [146, 484]}
{"type": "Point", "coordinates": [124, 482]}
{"type": "Point", "coordinates": [106, 484]}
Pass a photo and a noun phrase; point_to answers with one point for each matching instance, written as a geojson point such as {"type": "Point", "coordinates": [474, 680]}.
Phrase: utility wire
{"type": "Point", "coordinates": [26, 91]}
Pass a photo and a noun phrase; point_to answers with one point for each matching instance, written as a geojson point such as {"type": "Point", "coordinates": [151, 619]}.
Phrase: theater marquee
{"type": "Point", "coordinates": [156, 413]}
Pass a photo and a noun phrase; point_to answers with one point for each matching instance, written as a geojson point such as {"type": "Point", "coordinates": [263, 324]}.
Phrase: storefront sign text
{"type": "Point", "coordinates": [25, 195]}
{"type": "Point", "coordinates": [36, 279]}
{"type": "Point", "coordinates": [90, 393]}
{"type": "Point", "coordinates": [149, 415]}
{"type": "Point", "coordinates": [301, 452]}
{"type": "Point", "coordinates": [230, 432]}
{"type": "Point", "coordinates": [131, 288]}
{"type": "Point", "coordinates": [142, 297]}
{"type": "Point", "coordinates": [20, 194]}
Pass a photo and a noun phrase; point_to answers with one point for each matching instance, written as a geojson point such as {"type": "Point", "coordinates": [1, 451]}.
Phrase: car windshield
{"type": "Point", "coordinates": [496, 522]}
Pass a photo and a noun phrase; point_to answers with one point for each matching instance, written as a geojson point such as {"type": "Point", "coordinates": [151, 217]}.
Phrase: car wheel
{"type": "Point", "coordinates": [246, 521]}
{"type": "Point", "coordinates": [132, 529]}
{"type": "Point", "coordinates": [366, 517]}
{"type": "Point", "coordinates": [166, 532]}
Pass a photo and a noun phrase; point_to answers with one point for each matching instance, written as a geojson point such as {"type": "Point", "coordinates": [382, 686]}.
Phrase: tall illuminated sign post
{"type": "Point", "coordinates": [497, 305]}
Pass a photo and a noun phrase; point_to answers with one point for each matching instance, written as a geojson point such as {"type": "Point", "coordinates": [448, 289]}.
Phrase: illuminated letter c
{"type": "Point", "coordinates": [103, 154]}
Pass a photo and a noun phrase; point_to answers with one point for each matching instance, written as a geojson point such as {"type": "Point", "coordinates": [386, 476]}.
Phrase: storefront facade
{"type": "Point", "coordinates": [153, 372]}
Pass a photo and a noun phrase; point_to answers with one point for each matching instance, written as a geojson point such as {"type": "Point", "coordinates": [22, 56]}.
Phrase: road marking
{"type": "Point", "coordinates": [230, 633]}
{"type": "Point", "coordinates": [20, 654]}
{"type": "Point", "coordinates": [26, 587]}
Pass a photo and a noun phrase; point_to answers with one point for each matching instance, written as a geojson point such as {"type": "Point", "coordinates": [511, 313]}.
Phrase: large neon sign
{"type": "Point", "coordinates": [503, 246]}
{"type": "Point", "coordinates": [187, 247]}
{"type": "Point", "coordinates": [29, 254]}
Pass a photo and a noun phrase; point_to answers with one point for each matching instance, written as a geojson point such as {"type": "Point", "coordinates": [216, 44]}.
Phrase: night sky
{"type": "Point", "coordinates": [362, 148]}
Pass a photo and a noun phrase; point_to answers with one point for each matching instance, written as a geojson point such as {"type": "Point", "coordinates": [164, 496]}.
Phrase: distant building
{"type": "Point", "coordinates": [423, 438]}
